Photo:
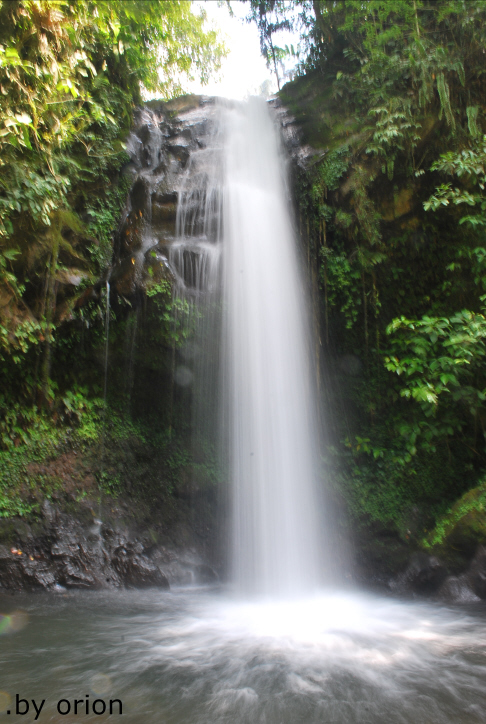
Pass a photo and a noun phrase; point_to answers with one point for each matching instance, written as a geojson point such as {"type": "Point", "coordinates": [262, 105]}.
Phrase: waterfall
{"type": "Point", "coordinates": [235, 250]}
{"type": "Point", "coordinates": [194, 257]}
{"type": "Point", "coordinates": [266, 341]}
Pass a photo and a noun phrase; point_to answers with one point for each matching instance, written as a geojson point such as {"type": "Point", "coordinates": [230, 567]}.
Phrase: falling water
{"type": "Point", "coordinates": [270, 417]}
{"type": "Point", "coordinates": [194, 258]}
{"type": "Point", "coordinates": [234, 206]}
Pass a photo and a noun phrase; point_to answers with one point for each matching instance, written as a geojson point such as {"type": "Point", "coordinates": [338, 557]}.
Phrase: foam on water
{"type": "Point", "coordinates": [203, 657]}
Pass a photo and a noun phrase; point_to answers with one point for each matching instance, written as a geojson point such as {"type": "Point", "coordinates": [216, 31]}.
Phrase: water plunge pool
{"type": "Point", "coordinates": [202, 656]}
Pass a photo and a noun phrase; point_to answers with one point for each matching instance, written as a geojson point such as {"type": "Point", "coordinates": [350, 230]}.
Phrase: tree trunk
{"type": "Point", "coordinates": [50, 305]}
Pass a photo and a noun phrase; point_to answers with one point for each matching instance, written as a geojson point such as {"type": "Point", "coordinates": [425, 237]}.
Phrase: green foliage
{"type": "Point", "coordinates": [469, 166]}
{"type": "Point", "coordinates": [329, 172]}
{"type": "Point", "coordinates": [13, 345]}
{"type": "Point", "coordinates": [344, 282]}
{"type": "Point", "coordinates": [174, 319]}
{"type": "Point", "coordinates": [126, 457]}
{"type": "Point", "coordinates": [438, 356]}
{"type": "Point", "coordinates": [468, 514]}
{"type": "Point", "coordinates": [446, 524]}
{"type": "Point", "coordinates": [269, 16]}
{"type": "Point", "coordinates": [103, 212]}
{"type": "Point", "coordinates": [17, 490]}
{"type": "Point", "coordinates": [396, 130]}
{"type": "Point", "coordinates": [400, 86]}
{"type": "Point", "coordinates": [441, 360]}
{"type": "Point", "coordinates": [70, 74]}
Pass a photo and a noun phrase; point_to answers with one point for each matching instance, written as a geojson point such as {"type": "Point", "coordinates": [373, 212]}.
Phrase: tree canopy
{"type": "Point", "coordinates": [69, 76]}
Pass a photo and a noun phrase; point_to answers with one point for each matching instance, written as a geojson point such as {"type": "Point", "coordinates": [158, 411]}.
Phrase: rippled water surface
{"type": "Point", "coordinates": [199, 656]}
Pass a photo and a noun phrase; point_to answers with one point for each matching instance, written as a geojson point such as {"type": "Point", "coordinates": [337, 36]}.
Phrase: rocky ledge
{"type": "Point", "coordinates": [61, 550]}
{"type": "Point", "coordinates": [428, 575]}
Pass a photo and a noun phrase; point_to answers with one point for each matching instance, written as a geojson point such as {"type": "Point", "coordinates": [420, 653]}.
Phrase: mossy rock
{"type": "Point", "coordinates": [457, 534]}
{"type": "Point", "coordinates": [311, 102]}
{"type": "Point", "coordinates": [172, 108]}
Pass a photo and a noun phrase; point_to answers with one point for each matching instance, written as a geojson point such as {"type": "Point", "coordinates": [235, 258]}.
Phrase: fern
{"type": "Point", "coordinates": [472, 117]}
{"type": "Point", "coordinates": [445, 100]}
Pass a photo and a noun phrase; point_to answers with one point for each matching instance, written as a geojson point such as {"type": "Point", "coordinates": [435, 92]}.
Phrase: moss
{"type": "Point", "coordinates": [175, 106]}
{"type": "Point", "coordinates": [462, 528]}
{"type": "Point", "coordinates": [312, 105]}
{"type": "Point", "coordinates": [102, 453]}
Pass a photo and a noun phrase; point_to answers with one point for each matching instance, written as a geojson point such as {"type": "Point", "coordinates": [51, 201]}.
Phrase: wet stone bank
{"type": "Point", "coordinates": [76, 551]}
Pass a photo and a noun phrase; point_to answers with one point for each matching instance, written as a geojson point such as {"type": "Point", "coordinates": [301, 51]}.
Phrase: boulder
{"type": "Point", "coordinates": [476, 575]}
{"type": "Point", "coordinates": [136, 570]}
{"type": "Point", "coordinates": [423, 576]}
{"type": "Point", "coordinates": [457, 590]}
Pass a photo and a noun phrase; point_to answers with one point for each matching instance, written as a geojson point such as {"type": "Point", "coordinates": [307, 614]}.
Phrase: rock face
{"type": "Point", "coordinates": [470, 586]}
{"type": "Point", "coordinates": [429, 576]}
{"type": "Point", "coordinates": [60, 552]}
{"type": "Point", "coordinates": [424, 575]}
{"type": "Point", "coordinates": [456, 572]}
{"type": "Point", "coordinates": [163, 138]}
{"type": "Point", "coordinates": [162, 149]}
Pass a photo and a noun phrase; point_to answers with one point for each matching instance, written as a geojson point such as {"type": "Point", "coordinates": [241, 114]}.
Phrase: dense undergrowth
{"type": "Point", "coordinates": [71, 75]}
{"type": "Point", "coordinates": [392, 205]}
{"type": "Point", "coordinates": [101, 455]}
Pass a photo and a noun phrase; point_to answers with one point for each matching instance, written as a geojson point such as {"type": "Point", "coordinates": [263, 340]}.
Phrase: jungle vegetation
{"type": "Point", "coordinates": [391, 95]}
{"type": "Point", "coordinates": [391, 206]}
{"type": "Point", "coordinates": [71, 74]}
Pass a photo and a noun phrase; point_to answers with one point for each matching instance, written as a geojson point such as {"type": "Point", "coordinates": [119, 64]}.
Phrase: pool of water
{"type": "Point", "coordinates": [201, 656]}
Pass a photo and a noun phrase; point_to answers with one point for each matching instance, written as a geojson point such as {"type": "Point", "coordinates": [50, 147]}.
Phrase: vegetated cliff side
{"type": "Point", "coordinates": [402, 325]}
{"type": "Point", "coordinates": [113, 447]}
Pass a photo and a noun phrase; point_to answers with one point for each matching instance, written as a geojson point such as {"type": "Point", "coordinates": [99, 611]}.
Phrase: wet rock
{"type": "Point", "coordinates": [400, 205]}
{"type": "Point", "coordinates": [462, 530]}
{"type": "Point", "coordinates": [165, 136]}
{"type": "Point", "coordinates": [205, 574]}
{"type": "Point", "coordinates": [107, 532]}
{"type": "Point", "coordinates": [165, 197]}
{"type": "Point", "coordinates": [424, 575]}
{"type": "Point", "coordinates": [165, 129]}
{"type": "Point", "coordinates": [18, 572]}
{"type": "Point", "coordinates": [476, 575]}
{"type": "Point", "coordinates": [140, 197]}
{"type": "Point", "coordinates": [457, 590]}
{"type": "Point", "coordinates": [37, 575]}
{"type": "Point", "coordinates": [71, 277]}
{"type": "Point", "coordinates": [61, 550]}
{"type": "Point", "coordinates": [10, 570]}
{"type": "Point", "coordinates": [64, 554]}
{"type": "Point", "coordinates": [136, 570]}
{"type": "Point", "coordinates": [130, 169]}
{"type": "Point", "coordinates": [180, 151]}
{"type": "Point", "coordinates": [164, 211]}
{"type": "Point", "coordinates": [182, 568]}
{"type": "Point", "coordinates": [134, 149]}
{"type": "Point", "coordinates": [162, 168]}
{"type": "Point", "coordinates": [144, 132]}
{"type": "Point", "coordinates": [75, 574]}
{"type": "Point", "coordinates": [197, 129]}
